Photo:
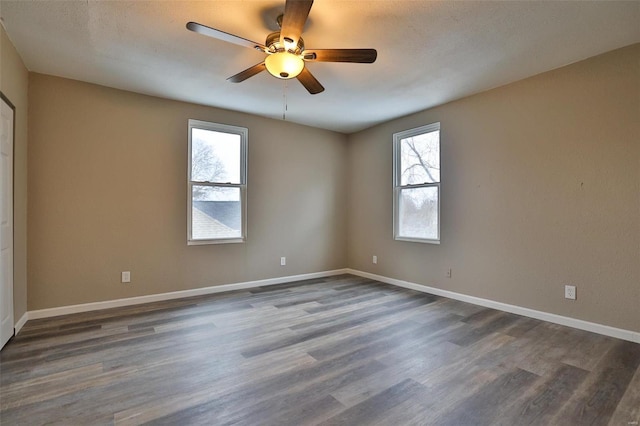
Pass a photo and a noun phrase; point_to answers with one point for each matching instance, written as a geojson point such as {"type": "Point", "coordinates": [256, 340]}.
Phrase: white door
{"type": "Point", "coordinates": [6, 222]}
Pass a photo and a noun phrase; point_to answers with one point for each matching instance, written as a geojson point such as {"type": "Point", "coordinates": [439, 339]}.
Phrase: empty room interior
{"type": "Point", "coordinates": [287, 212]}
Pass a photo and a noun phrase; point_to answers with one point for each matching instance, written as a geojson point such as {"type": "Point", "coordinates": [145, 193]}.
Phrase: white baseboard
{"type": "Point", "coordinates": [606, 330]}
{"type": "Point", "coordinates": [86, 307]}
{"type": "Point", "coordinates": [21, 322]}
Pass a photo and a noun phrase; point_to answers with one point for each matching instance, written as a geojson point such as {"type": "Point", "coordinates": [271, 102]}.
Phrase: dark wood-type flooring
{"type": "Point", "coordinates": [340, 350]}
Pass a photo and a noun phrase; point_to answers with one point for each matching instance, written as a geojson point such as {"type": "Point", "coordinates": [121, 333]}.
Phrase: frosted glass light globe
{"type": "Point", "coordinates": [284, 65]}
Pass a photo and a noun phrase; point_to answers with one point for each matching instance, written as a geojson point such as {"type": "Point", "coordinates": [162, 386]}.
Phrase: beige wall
{"type": "Point", "coordinates": [14, 81]}
{"type": "Point", "coordinates": [108, 193]}
{"type": "Point", "coordinates": [540, 187]}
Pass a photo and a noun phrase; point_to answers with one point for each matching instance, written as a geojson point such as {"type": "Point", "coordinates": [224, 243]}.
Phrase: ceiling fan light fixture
{"type": "Point", "coordinates": [284, 65]}
{"type": "Point", "coordinates": [285, 50]}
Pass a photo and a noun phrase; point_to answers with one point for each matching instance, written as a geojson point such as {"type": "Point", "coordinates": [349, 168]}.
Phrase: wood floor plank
{"type": "Point", "coordinates": [373, 408]}
{"type": "Point", "coordinates": [628, 410]}
{"type": "Point", "coordinates": [484, 406]}
{"type": "Point", "coordinates": [221, 385]}
{"type": "Point", "coordinates": [539, 406]}
{"type": "Point", "coordinates": [596, 402]}
{"type": "Point", "coordinates": [334, 350]}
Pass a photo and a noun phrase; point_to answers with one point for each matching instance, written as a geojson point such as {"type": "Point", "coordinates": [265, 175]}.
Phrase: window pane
{"type": "Point", "coordinates": [215, 156]}
{"type": "Point", "coordinates": [216, 213]}
{"type": "Point", "coordinates": [420, 159]}
{"type": "Point", "coordinates": [418, 213]}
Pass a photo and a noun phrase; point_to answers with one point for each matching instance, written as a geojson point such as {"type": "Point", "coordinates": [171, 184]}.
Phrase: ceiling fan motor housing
{"type": "Point", "coordinates": [274, 45]}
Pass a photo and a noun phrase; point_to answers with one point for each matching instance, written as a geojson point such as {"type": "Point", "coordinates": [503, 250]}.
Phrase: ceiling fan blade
{"type": "Point", "coordinates": [295, 16]}
{"type": "Point", "coordinates": [361, 56]}
{"type": "Point", "coordinates": [309, 82]}
{"type": "Point", "coordinates": [249, 72]}
{"type": "Point", "coordinates": [221, 35]}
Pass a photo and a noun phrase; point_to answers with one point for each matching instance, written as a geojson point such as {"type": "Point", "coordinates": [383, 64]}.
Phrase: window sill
{"type": "Point", "coordinates": [221, 241]}
{"type": "Point", "coordinates": [417, 240]}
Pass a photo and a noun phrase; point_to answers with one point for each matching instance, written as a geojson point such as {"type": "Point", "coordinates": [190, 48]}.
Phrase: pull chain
{"type": "Point", "coordinates": [284, 100]}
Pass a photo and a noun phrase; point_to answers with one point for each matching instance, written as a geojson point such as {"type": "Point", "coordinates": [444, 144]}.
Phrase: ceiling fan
{"type": "Point", "coordinates": [286, 54]}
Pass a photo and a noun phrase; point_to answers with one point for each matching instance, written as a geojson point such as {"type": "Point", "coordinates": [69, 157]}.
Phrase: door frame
{"type": "Point", "coordinates": [5, 99]}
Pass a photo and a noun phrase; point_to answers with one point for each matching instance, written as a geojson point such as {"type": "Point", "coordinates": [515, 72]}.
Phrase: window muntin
{"type": "Point", "coordinates": [217, 183]}
{"type": "Point", "coordinates": [416, 204]}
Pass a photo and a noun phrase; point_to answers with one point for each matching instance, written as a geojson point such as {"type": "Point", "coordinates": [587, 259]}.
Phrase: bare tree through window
{"type": "Point", "coordinates": [421, 159]}
{"type": "Point", "coordinates": [206, 166]}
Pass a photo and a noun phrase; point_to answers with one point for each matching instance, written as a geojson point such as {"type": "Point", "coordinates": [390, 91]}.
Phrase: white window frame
{"type": "Point", "coordinates": [244, 136]}
{"type": "Point", "coordinates": [397, 180]}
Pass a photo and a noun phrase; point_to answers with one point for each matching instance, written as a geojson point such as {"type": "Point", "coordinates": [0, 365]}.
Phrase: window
{"type": "Point", "coordinates": [416, 184]}
{"type": "Point", "coordinates": [217, 202]}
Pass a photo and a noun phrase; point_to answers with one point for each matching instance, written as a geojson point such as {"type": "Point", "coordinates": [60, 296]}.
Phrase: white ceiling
{"type": "Point", "coordinates": [428, 52]}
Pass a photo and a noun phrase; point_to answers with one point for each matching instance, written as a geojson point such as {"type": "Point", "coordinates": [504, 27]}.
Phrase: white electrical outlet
{"type": "Point", "coordinates": [126, 277]}
{"type": "Point", "coordinates": [283, 261]}
{"type": "Point", "coordinates": [449, 273]}
{"type": "Point", "coordinates": [375, 259]}
{"type": "Point", "coordinates": [570, 292]}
